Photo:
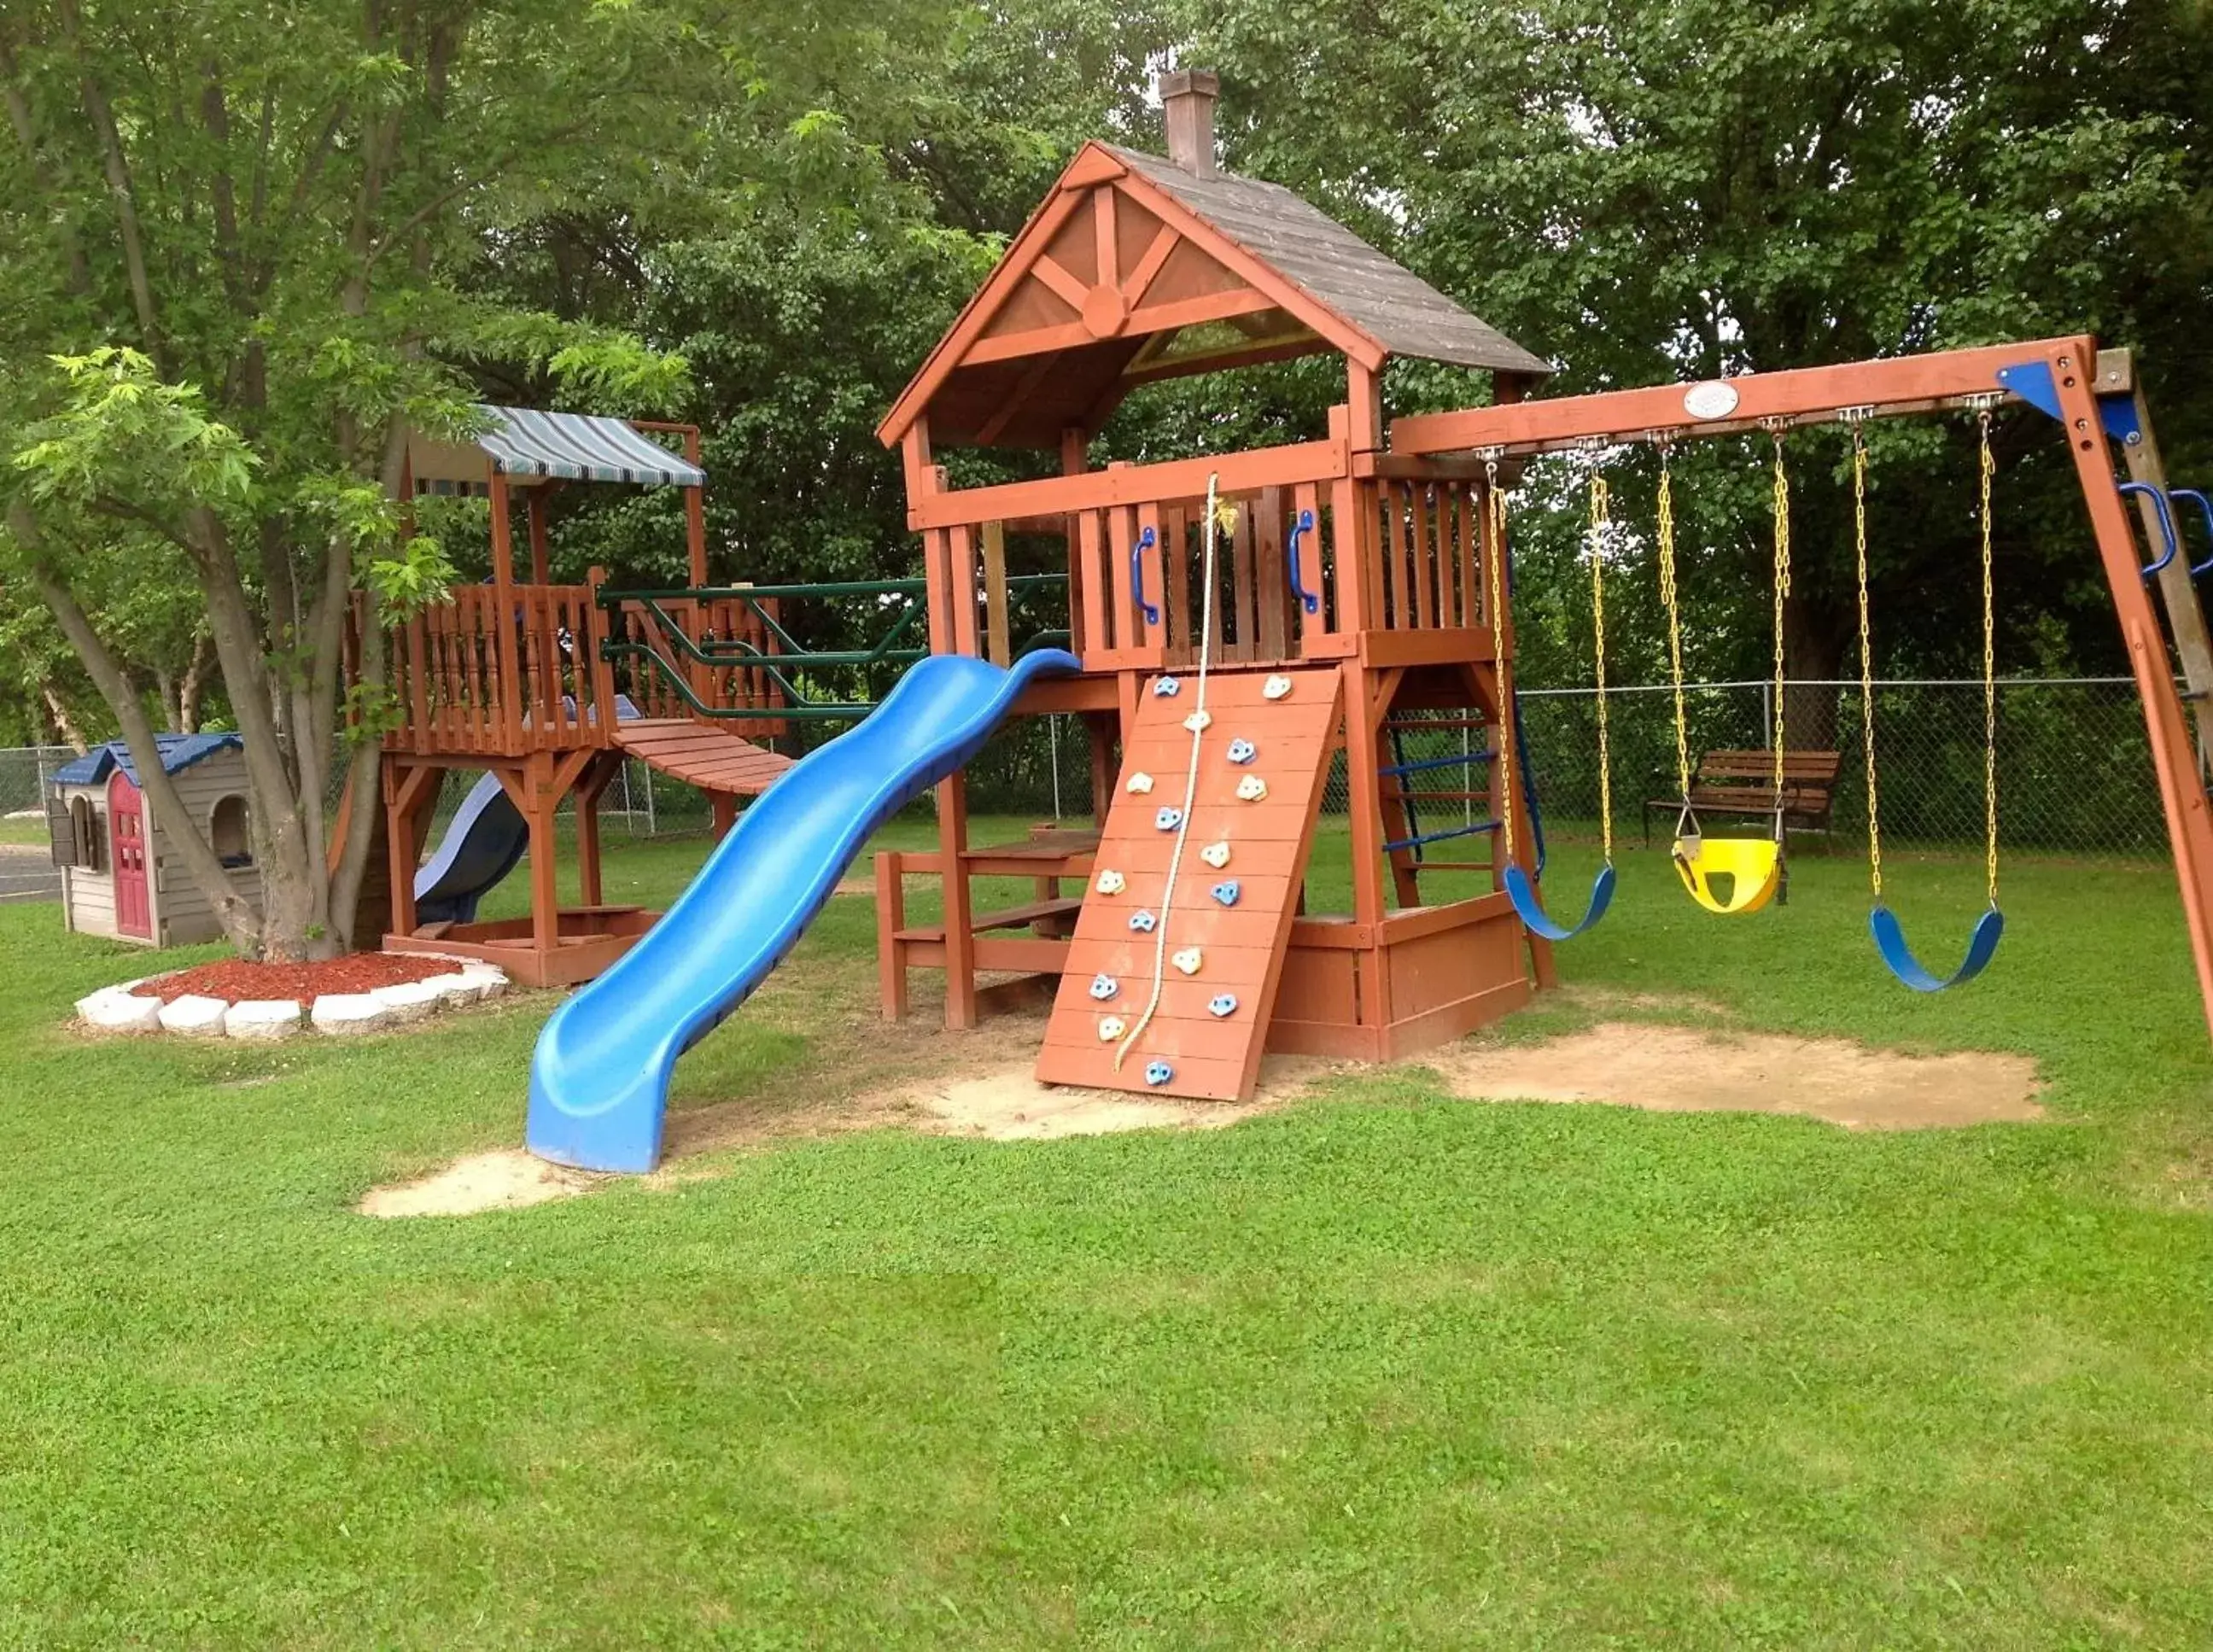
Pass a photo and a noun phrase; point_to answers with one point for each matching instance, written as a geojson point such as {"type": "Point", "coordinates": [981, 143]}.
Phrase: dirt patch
{"type": "Point", "coordinates": [1684, 1069]}
{"type": "Point", "coordinates": [1009, 1105]}
{"type": "Point", "coordinates": [505, 1181]}
{"type": "Point", "coordinates": [235, 980]}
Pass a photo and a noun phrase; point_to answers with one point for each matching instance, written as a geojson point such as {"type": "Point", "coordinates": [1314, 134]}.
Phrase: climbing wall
{"type": "Point", "coordinates": [1229, 918]}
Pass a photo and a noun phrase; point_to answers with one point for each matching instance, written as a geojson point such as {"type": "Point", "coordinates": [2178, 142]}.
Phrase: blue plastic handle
{"type": "Point", "coordinates": [2166, 521]}
{"type": "Point", "coordinates": [1138, 576]}
{"type": "Point", "coordinates": [2204, 505]}
{"type": "Point", "coordinates": [1311, 602]}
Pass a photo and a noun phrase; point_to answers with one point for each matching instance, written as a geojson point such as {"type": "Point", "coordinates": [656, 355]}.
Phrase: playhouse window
{"type": "Point", "coordinates": [227, 832]}
{"type": "Point", "coordinates": [77, 839]}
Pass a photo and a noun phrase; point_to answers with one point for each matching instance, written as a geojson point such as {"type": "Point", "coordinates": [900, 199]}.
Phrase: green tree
{"type": "Point", "coordinates": [246, 244]}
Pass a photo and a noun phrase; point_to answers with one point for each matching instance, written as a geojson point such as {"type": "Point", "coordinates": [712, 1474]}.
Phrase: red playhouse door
{"type": "Point", "coordinates": [127, 831]}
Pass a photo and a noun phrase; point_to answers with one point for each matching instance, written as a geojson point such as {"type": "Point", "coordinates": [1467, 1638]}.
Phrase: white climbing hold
{"type": "Point", "coordinates": [1216, 855]}
{"type": "Point", "coordinates": [264, 1018]}
{"type": "Point", "coordinates": [1140, 783]}
{"type": "Point", "coordinates": [194, 1015]}
{"type": "Point", "coordinates": [1276, 687]}
{"type": "Point", "coordinates": [1187, 960]}
{"type": "Point", "coordinates": [1252, 788]}
{"type": "Point", "coordinates": [1110, 1028]}
{"type": "Point", "coordinates": [1199, 721]}
{"type": "Point", "coordinates": [1111, 882]}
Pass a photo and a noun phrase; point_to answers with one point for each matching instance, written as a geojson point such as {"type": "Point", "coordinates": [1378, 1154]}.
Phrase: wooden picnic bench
{"type": "Point", "coordinates": [1743, 784]}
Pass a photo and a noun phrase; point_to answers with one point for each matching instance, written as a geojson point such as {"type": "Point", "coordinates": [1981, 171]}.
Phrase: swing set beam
{"type": "Point", "coordinates": [2092, 401]}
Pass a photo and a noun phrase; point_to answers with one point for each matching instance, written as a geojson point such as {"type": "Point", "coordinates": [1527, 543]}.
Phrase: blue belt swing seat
{"type": "Point", "coordinates": [1889, 936]}
{"type": "Point", "coordinates": [1520, 889]}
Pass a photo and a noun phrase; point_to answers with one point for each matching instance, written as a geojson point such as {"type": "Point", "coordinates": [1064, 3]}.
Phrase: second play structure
{"type": "Point", "coordinates": [1235, 625]}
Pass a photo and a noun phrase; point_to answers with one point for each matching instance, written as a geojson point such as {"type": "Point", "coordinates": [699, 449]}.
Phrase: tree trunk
{"type": "Point", "coordinates": [64, 724]}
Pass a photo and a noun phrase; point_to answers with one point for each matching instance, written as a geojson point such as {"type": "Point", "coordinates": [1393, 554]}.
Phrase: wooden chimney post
{"type": "Point", "coordinates": [1188, 96]}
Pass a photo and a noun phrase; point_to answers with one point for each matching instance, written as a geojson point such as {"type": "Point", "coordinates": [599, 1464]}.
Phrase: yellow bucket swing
{"type": "Point", "coordinates": [1727, 875]}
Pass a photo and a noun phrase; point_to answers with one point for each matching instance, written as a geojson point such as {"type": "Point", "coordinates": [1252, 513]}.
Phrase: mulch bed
{"type": "Point", "coordinates": [236, 981]}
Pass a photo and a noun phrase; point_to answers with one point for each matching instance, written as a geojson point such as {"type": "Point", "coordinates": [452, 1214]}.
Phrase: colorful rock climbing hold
{"type": "Point", "coordinates": [1199, 721]}
{"type": "Point", "coordinates": [1158, 1073]}
{"type": "Point", "coordinates": [1215, 856]}
{"type": "Point", "coordinates": [1111, 882]}
{"type": "Point", "coordinates": [1142, 921]}
{"type": "Point", "coordinates": [1168, 819]}
{"type": "Point", "coordinates": [1222, 1003]}
{"type": "Point", "coordinates": [1166, 687]}
{"type": "Point", "coordinates": [1140, 784]}
{"type": "Point", "coordinates": [1187, 960]}
{"type": "Point", "coordinates": [1276, 687]}
{"type": "Point", "coordinates": [1252, 788]}
{"type": "Point", "coordinates": [1227, 893]}
{"type": "Point", "coordinates": [1103, 987]}
{"type": "Point", "coordinates": [1111, 1028]}
{"type": "Point", "coordinates": [1243, 751]}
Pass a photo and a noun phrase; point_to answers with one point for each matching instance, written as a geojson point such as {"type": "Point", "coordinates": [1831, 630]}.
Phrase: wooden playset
{"type": "Point", "coordinates": [1240, 623]}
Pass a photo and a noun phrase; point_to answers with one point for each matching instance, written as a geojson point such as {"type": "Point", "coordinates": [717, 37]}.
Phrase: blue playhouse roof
{"type": "Point", "coordinates": [178, 752]}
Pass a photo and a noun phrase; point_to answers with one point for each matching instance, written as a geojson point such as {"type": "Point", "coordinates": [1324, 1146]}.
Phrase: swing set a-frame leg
{"type": "Point", "coordinates": [2175, 753]}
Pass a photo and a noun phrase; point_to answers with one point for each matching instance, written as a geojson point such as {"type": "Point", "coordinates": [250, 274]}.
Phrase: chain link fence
{"type": "Point", "coordinates": [2074, 772]}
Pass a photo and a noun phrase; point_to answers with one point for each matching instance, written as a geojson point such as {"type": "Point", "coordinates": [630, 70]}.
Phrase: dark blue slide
{"type": "Point", "coordinates": [482, 843]}
{"type": "Point", "coordinates": [598, 1081]}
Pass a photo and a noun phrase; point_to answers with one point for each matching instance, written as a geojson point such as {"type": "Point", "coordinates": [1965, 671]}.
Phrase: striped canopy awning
{"type": "Point", "coordinates": [529, 446]}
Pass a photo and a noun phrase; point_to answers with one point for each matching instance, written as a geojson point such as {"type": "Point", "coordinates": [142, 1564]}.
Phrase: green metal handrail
{"type": "Point", "coordinates": [737, 653]}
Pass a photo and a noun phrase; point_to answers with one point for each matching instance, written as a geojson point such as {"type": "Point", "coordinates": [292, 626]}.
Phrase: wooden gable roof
{"type": "Point", "coordinates": [1134, 269]}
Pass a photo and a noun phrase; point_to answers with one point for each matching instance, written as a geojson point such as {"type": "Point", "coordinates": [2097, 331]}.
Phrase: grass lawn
{"type": "Point", "coordinates": [1381, 1368]}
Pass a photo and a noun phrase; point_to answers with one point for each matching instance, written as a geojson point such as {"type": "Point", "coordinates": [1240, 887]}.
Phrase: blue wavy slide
{"type": "Point", "coordinates": [482, 844]}
{"type": "Point", "coordinates": [598, 1081]}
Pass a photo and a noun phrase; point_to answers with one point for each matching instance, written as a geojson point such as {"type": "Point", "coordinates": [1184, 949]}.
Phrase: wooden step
{"type": "Point", "coordinates": [1242, 947]}
{"type": "Point", "coordinates": [714, 760]}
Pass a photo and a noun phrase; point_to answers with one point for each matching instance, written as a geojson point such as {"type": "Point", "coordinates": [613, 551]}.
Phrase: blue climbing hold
{"type": "Point", "coordinates": [1104, 987]}
{"type": "Point", "coordinates": [1167, 688]}
{"type": "Point", "coordinates": [1227, 893]}
{"type": "Point", "coordinates": [1158, 1072]}
{"type": "Point", "coordinates": [1243, 751]}
{"type": "Point", "coordinates": [1221, 1004]}
{"type": "Point", "coordinates": [1168, 819]}
{"type": "Point", "coordinates": [1142, 921]}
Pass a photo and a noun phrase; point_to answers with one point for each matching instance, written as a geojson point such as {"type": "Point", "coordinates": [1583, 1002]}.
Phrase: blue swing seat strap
{"type": "Point", "coordinates": [1890, 942]}
{"type": "Point", "coordinates": [1523, 894]}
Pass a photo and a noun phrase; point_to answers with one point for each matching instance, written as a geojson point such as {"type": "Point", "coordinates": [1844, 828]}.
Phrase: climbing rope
{"type": "Point", "coordinates": [1215, 511]}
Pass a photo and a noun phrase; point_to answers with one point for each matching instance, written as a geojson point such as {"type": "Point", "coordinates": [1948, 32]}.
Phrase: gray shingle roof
{"type": "Point", "coordinates": [1390, 303]}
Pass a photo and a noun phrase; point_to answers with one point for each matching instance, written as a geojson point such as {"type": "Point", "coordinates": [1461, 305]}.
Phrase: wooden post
{"type": "Point", "coordinates": [2189, 828]}
{"type": "Point", "coordinates": [960, 938]}
{"type": "Point", "coordinates": [998, 646]}
{"type": "Point", "coordinates": [725, 806]}
{"type": "Point", "coordinates": [505, 642]}
{"type": "Point", "coordinates": [544, 862]}
{"type": "Point", "coordinates": [603, 771]}
{"type": "Point", "coordinates": [2186, 616]}
{"type": "Point", "coordinates": [891, 918]}
{"type": "Point", "coordinates": [695, 514]}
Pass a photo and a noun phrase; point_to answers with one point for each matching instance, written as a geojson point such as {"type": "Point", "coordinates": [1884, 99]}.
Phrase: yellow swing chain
{"type": "Point", "coordinates": [1494, 511]}
{"type": "Point", "coordinates": [1600, 521]}
{"type": "Point", "coordinates": [1867, 660]}
{"type": "Point", "coordinates": [1669, 597]}
{"type": "Point", "coordinates": [1782, 592]}
{"type": "Point", "coordinates": [1987, 466]}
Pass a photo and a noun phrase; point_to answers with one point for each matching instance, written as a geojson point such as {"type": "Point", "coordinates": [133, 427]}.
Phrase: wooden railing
{"type": "Point", "coordinates": [1321, 546]}
{"type": "Point", "coordinates": [470, 677]}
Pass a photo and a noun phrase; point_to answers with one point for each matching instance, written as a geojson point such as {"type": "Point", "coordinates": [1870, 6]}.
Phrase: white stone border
{"type": "Point", "coordinates": [122, 1008]}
